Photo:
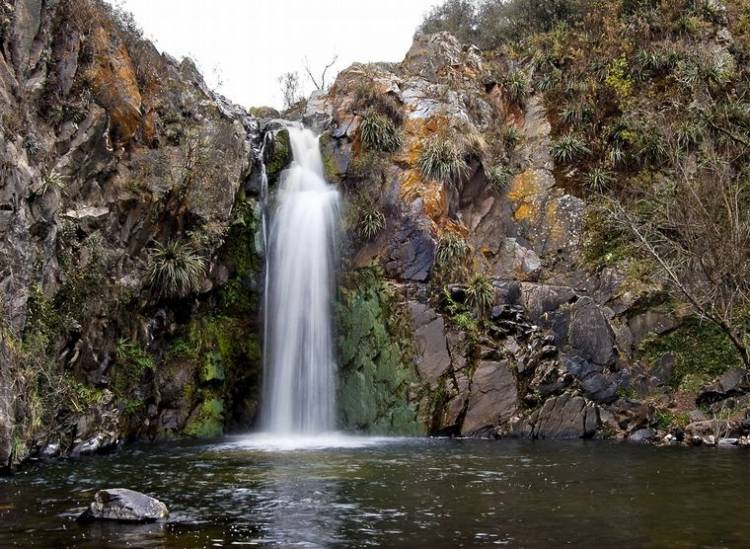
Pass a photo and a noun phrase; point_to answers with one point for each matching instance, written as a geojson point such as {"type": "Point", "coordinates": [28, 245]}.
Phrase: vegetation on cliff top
{"type": "Point", "coordinates": [650, 122]}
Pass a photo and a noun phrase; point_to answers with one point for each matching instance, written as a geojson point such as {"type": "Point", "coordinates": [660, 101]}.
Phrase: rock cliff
{"type": "Point", "coordinates": [118, 163]}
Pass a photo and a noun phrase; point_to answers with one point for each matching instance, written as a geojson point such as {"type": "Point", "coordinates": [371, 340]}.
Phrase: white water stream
{"type": "Point", "coordinates": [299, 388]}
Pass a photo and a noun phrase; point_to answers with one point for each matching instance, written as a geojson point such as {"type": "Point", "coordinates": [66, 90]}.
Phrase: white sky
{"type": "Point", "coordinates": [243, 46]}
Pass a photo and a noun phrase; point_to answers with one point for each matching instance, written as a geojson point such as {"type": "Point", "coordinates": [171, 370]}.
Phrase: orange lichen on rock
{"type": "Point", "coordinates": [113, 81]}
{"type": "Point", "coordinates": [524, 192]}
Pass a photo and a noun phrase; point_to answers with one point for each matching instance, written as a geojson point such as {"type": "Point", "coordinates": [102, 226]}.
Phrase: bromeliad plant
{"type": "Point", "coordinates": [175, 269]}
{"type": "Point", "coordinates": [442, 160]}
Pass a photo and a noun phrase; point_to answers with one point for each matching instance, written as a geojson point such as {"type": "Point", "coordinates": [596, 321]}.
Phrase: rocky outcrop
{"type": "Point", "coordinates": [123, 505]}
{"type": "Point", "coordinates": [109, 150]}
{"type": "Point", "coordinates": [552, 354]}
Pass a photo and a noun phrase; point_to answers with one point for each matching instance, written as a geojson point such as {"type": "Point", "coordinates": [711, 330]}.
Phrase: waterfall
{"type": "Point", "coordinates": [299, 366]}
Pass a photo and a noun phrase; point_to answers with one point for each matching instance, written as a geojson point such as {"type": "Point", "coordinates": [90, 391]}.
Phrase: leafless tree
{"type": "Point", "coordinates": [290, 89]}
{"type": "Point", "coordinates": [319, 82]}
{"type": "Point", "coordinates": [696, 226]}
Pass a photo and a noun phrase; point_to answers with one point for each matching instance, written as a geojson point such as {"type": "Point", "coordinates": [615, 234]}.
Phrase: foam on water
{"type": "Point", "coordinates": [272, 442]}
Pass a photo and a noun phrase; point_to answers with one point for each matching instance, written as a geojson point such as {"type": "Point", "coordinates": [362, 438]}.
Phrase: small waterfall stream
{"type": "Point", "coordinates": [299, 365]}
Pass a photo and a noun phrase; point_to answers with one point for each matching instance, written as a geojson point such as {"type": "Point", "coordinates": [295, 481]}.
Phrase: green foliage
{"type": "Point", "coordinates": [452, 251]}
{"type": "Point", "coordinates": [278, 155]}
{"type": "Point", "coordinates": [511, 138]}
{"type": "Point", "coordinates": [175, 269]}
{"type": "Point", "coordinates": [701, 352]}
{"type": "Point", "coordinates": [53, 180]}
{"type": "Point", "coordinates": [130, 353]}
{"type": "Point", "coordinates": [371, 222]}
{"type": "Point", "coordinates": [599, 179]}
{"type": "Point", "coordinates": [604, 243]}
{"type": "Point", "coordinates": [460, 316]}
{"type": "Point", "coordinates": [369, 165]}
{"type": "Point", "coordinates": [569, 148]}
{"type": "Point", "coordinates": [368, 95]}
{"type": "Point", "coordinates": [480, 294]}
{"type": "Point", "coordinates": [499, 176]}
{"type": "Point", "coordinates": [667, 420]}
{"type": "Point", "coordinates": [378, 132]}
{"type": "Point", "coordinates": [517, 86]}
{"type": "Point", "coordinates": [443, 160]}
{"type": "Point", "coordinates": [617, 77]}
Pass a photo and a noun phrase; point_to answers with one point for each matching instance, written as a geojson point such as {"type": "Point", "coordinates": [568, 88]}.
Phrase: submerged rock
{"type": "Point", "coordinates": [123, 505]}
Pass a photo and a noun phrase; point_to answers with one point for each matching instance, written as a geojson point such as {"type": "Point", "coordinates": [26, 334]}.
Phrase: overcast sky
{"type": "Point", "coordinates": [243, 46]}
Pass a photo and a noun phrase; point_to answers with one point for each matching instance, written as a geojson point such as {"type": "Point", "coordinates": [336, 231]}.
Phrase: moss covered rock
{"type": "Point", "coordinates": [375, 350]}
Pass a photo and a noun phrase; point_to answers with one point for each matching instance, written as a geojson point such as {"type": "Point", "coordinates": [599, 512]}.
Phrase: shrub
{"type": "Point", "coordinates": [598, 179]}
{"type": "Point", "coordinates": [511, 138]}
{"type": "Point", "coordinates": [480, 294]}
{"type": "Point", "coordinates": [443, 160]}
{"type": "Point", "coordinates": [53, 180]}
{"type": "Point", "coordinates": [371, 223]}
{"type": "Point", "coordinates": [371, 165]}
{"type": "Point", "coordinates": [367, 95]}
{"type": "Point", "coordinates": [378, 132]}
{"type": "Point", "coordinates": [569, 148]}
{"type": "Point", "coordinates": [452, 250]}
{"type": "Point", "coordinates": [499, 176]}
{"type": "Point", "coordinates": [175, 269]}
{"type": "Point", "coordinates": [517, 86]}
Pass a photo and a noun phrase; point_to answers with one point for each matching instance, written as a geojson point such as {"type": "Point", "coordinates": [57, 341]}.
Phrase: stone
{"type": "Point", "coordinates": [566, 417]}
{"type": "Point", "coordinates": [642, 436]}
{"type": "Point", "coordinates": [493, 400]}
{"type": "Point", "coordinates": [411, 253]}
{"type": "Point", "coordinates": [432, 357]}
{"type": "Point", "coordinates": [124, 505]}
{"type": "Point", "coordinates": [589, 332]}
{"type": "Point", "coordinates": [735, 382]}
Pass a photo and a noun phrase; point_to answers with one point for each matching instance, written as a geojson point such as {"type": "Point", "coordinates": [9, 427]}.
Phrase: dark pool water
{"type": "Point", "coordinates": [404, 493]}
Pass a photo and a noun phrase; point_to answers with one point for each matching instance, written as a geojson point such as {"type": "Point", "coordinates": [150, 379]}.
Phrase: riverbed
{"type": "Point", "coordinates": [432, 493]}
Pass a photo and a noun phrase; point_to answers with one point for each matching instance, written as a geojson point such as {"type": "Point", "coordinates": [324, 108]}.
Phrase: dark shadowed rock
{"type": "Point", "coordinates": [493, 400]}
{"type": "Point", "coordinates": [642, 436]}
{"type": "Point", "coordinates": [123, 505]}
{"type": "Point", "coordinates": [412, 251]}
{"type": "Point", "coordinates": [566, 417]}
{"type": "Point", "coordinates": [735, 382]}
{"type": "Point", "coordinates": [589, 332]}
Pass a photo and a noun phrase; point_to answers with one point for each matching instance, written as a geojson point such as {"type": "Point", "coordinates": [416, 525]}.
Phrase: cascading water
{"type": "Point", "coordinates": [299, 387]}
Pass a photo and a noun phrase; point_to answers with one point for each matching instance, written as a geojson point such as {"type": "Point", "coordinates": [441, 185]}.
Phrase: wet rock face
{"type": "Point", "coordinates": [123, 505]}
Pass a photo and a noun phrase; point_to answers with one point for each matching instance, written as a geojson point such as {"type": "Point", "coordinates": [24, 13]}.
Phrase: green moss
{"type": "Point", "coordinates": [279, 156]}
{"type": "Point", "coordinates": [207, 421]}
{"type": "Point", "coordinates": [375, 355]}
{"type": "Point", "coordinates": [701, 352]}
{"type": "Point", "coordinates": [213, 369]}
{"type": "Point", "coordinates": [329, 164]}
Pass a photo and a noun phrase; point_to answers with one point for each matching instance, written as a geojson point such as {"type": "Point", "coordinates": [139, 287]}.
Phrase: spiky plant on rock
{"type": "Point", "coordinates": [175, 269]}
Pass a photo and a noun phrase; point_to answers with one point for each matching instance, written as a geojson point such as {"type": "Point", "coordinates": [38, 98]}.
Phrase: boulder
{"type": "Point", "coordinates": [589, 332]}
{"type": "Point", "coordinates": [493, 400]}
{"type": "Point", "coordinates": [735, 382]}
{"type": "Point", "coordinates": [566, 417]}
{"type": "Point", "coordinates": [123, 505]}
{"type": "Point", "coordinates": [642, 436]}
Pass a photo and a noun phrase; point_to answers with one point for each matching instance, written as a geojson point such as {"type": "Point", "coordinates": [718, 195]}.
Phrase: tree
{"type": "Point", "coordinates": [320, 81]}
{"type": "Point", "coordinates": [696, 226]}
{"type": "Point", "coordinates": [290, 91]}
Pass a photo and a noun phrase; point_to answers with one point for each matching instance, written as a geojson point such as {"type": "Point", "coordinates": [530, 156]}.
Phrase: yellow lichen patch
{"type": "Point", "coordinates": [435, 202]}
{"type": "Point", "coordinates": [431, 192]}
{"type": "Point", "coordinates": [113, 81]}
{"type": "Point", "coordinates": [524, 193]}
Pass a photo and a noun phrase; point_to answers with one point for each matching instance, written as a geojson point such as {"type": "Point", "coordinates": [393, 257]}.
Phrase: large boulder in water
{"type": "Point", "coordinates": [123, 505]}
